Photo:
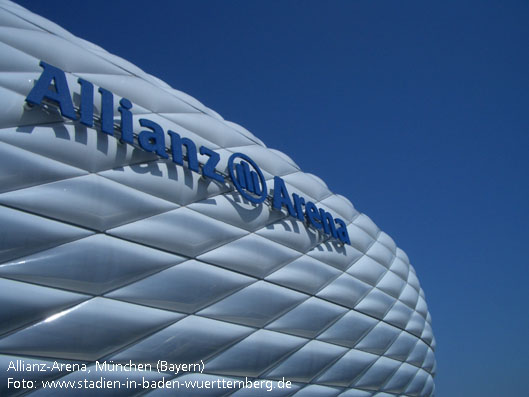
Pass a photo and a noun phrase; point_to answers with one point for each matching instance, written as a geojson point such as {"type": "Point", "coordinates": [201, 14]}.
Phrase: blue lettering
{"type": "Point", "coordinates": [250, 184]}
{"type": "Point", "coordinates": [343, 235]}
{"type": "Point", "coordinates": [281, 196]}
{"type": "Point", "coordinates": [245, 175]}
{"type": "Point", "coordinates": [176, 151]}
{"type": "Point", "coordinates": [60, 94]}
{"type": "Point", "coordinates": [313, 215]}
{"type": "Point", "coordinates": [208, 169]}
{"type": "Point", "coordinates": [107, 111]}
{"type": "Point", "coordinates": [152, 141]}
{"type": "Point", "coordinates": [127, 134]}
{"type": "Point", "coordinates": [298, 202]}
{"type": "Point", "coordinates": [87, 102]}
{"type": "Point", "coordinates": [328, 223]}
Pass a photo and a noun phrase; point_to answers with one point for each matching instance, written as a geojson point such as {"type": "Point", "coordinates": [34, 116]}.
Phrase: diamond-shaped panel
{"type": "Point", "coordinates": [309, 318]}
{"type": "Point", "coordinates": [90, 201]}
{"type": "Point", "coordinates": [307, 362]}
{"type": "Point", "coordinates": [37, 169]}
{"type": "Point", "coordinates": [246, 255]}
{"type": "Point", "coordinates": [181, 231]}
{"type": "Point", "coordinates": [255, 354]}
{"type": "Point", "coordinates": [94, 265]}
{"type": "Point", "coordinates": [24, 303]}
{"type": "Point", "coordinates": [187, 287]}
{"type": "Point", "coordinates": [30, 233]}
{"type": "Point", "coordinates": [177, 343]}
{"type": "Point", "coordinates": [87, 331]}
{"type": "Point", "coordinates": [305, 274]}
{"type": "Point", "coordinates": [350, 366]}
{"type": "Point", "coordinates": [255, 305]}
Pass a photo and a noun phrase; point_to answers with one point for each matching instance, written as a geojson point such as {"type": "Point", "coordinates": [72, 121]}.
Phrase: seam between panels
{"type": "Point", "coordinates": [232, 150]}
{"type": "Point", "coordinates": [88, 362]}
{"type": "Point", "coordinates": [409, 382]}
{"type": "Point", "coordinates": [40, 318]}
{"type": "Point", "coordinates": [292, 353]}
{"type": "Point", "coordinates": [80, 226]}
{"type": "Point", "coordinates": [94, 231]}
{"type": "Point", "coordinates": [41, 123]}
{"type": "Point", "coordinates": [84, 175]}
{"type": "Point", "coordinates": [362, 373]}
{"type": "Point", "coordinates": [40, 184]}
{"type": "Point", "coordinates": [65, 123]}
{"type": "Point", "coordinates": [231, 189]}
{"type": "Point", "coordinates": [186, 315]}
{"type": "Point", "coordinates": [163, 116]}
{"type": "Point", "coordinates": [41, 29]}
{"type": "Point", "coordinates": [389, 379]}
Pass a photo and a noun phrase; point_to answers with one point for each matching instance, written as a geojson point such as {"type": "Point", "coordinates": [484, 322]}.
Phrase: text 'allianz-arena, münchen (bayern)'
{"type": "Point", "coordinates": [151, 247]}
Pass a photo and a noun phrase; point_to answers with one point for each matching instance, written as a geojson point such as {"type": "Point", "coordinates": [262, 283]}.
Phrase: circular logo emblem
{"type": "Point", "coordinates": [249, 182]}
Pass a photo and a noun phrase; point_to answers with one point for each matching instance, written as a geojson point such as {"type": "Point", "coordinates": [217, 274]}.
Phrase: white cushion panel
{"type": "Point", "coordinates": [246, 255]}
{"type": "Point", "coordinates": [233, 209]}
{"type": "Point", "coordinates": [94, 265]}
{"type": "Point", "coordinates": [196, 233]}
{"type": "Point", "coordinates": [255, 305]}
{"type": "Point", "coordinates": [186, 287]}
{"type": "Point", "coordinates": [305, 274]}
{"type": "Point", "coordinates": [30, 233]}
{"type": "Point", "coordinates": [255, 354]}
{"type": "Point", "coordinates": [58, 335]}
{"type": "Point", "coordinates": [104, 204]}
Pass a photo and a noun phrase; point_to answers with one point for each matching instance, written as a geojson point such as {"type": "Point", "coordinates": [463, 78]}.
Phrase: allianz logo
{"type": "Point", "coordinates": [244, 173]}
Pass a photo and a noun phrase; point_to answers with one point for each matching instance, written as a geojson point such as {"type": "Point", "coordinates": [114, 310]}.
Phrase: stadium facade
{"type": "Point", "coordinates": [151, 247]}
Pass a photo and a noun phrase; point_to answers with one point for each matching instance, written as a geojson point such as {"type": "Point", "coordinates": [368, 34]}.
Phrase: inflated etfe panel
{"type": "Point", "coordinates": [150, 247]}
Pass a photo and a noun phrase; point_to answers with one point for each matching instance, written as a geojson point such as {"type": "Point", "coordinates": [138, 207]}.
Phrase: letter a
{"type": "Point", "coordinates": [152, 141]}
{"type": "Point", "coordinates": [281, 196]}
{"type": "Point", "coordinates": [61, 94]}
{"type": "Point", "coordinates": [343, 236]}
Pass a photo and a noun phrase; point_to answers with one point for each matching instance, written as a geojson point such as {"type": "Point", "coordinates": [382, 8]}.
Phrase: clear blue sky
{"type": "Point", "coordinates": [417, 111]}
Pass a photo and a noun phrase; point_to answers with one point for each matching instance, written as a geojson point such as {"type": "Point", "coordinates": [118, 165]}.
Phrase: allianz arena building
{"type": "Point", "coordinates": [150, 247]}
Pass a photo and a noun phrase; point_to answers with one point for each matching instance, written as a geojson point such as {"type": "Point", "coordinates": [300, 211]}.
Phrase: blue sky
{"type": "Point", "coordinates": [418, 112]}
